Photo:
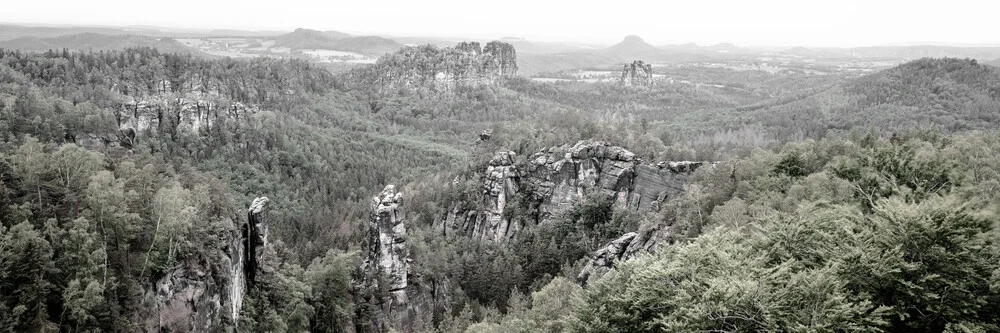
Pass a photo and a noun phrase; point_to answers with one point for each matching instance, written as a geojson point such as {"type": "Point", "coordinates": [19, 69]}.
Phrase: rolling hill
{"type": "Point", "coordinates": [947, 93]}
{"type": "Point", "coordinates": [367, 45]}
{"type": "Point", "coordinates": [306, 39]}
{"type": "Point", "coordinates": [95, 41]}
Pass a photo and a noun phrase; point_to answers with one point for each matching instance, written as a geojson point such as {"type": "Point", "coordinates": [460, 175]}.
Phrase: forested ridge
{"type": "Point", "coordinates": [865, 204]}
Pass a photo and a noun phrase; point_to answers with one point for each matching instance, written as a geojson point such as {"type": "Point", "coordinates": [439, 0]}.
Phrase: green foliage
{"type": "Point", "coordinates": [329, 278]}
{"type": "Point", "coordinates": [822, 253]}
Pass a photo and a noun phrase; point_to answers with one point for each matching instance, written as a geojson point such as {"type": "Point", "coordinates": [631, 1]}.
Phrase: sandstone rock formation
{"type": "Point", "coordinates": [637, 73]}
{"type": "Point", "coordinates": [385, 268]}
{"type": "Point", "coordinates": [605, 258]}
{"type": "Point", "coordinates": [466, 64]}
{"type": "Point", "coordinates": [188, 299]}
{"type": "Point", "coordinates": [159, 114]}
{"type": "Point", "coordinates": [503, 58]}
{"type": "Point", "coordinates": [255, 233]}
{"type": "Point", "coordinates": [206, 294]}
{"type": "Point", "coordinates": [626, 247]}
{"type": "Point", "coordinates": [555, 179]}
{"type": "Point", "coordinates": [397, 297]}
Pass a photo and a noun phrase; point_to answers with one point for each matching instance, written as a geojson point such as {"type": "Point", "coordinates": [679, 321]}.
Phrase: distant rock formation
{"type": "Point", "coordinates": [637, 73]}
{"type": "Point", "coordinates": [555, 179]}
{"type": "Point", "coordinates": [503, 57]}
{"type": "Point", "coordinates": [466, 64]}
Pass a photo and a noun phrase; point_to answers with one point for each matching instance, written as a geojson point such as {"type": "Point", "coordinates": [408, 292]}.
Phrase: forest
{"type": "Point", "coordinates": [835, 203]}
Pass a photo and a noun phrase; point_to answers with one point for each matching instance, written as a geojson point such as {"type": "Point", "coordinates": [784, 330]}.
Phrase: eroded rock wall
{"type": "Point", "coordinates": [396, 298]}
{"type": "Point", "coordinates": [555, 179]}
{"type": "Point", "coordinates": [385, 267]}
{"type": "Point", "coordinates": [206, 294]}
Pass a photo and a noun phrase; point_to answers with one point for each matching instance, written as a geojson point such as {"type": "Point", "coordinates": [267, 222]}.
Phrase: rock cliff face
{"type": "Point", "coordinates": [465, 65]}
{"type": "Point", "coordinates": [637, 73]}
{"type": "Point", "coordinates": [605, 257]}
{"type": "Point", "coordinates": [385, 268]}
{"type": "Point", "coordinates": [557, 178]}
{"type": "Point", "coordinates": [626, 247]}
{"type": "Point", "coordinates": [189, 299]}
{"type": "Point", "coordinates": [159, 114]}
{"type": "Point", "coordinates": [207, 295]}
{"type": "Point", "coordinates": [396, 296]}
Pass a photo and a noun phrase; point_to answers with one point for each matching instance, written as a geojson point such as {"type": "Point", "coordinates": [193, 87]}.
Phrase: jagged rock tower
{"type": "Point", "coordinates": [385, 267]}
{"type": "Point", "coordinates": [247, 253]}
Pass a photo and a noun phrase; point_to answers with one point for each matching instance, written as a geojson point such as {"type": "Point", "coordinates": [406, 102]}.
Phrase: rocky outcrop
{"type": "Point", "coordinates": [189, 299]}
{"type": "Point", "coordinates": [255, 233]}
{"type": "Point", "coordinates": [552, 181]}
{"type": "Point", "coordinates": [206, 294]}
{"type": "Point", "coordinates": [385, 268]}
{"type": "Point", "coordinates": [503, 57]}
{"type": "Point", "coordinates": [159, 114]}
{"type": "Point", "coordinates": [637, 73]}
{"type": "Point", "coordinates": [396, 297]}
{"type": "Point", "coordinates": [464, 65]}
{"type": "Point", "coordinates": [247, 252]}
{"type": "Point", "coordinates": [626, 247]}
{"type": "Point", "coordinates": [605, 258]}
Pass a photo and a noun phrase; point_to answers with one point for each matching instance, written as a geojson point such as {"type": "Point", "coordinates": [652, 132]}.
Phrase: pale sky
{"type": "Point", "coordinates": [706, 22]}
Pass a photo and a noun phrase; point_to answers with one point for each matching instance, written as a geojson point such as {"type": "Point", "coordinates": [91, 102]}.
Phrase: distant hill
{"type": "Point", "coordinates": [305, 39]}
{"type": "Point", "coordinates": [947, 93]}
{"type": "Point", "coordinates": [95, 41]}
{"type": "Point", "coordinates": [242, 33]}
{"type": "Point", "coordinates": [336, 35]}
{"type": "Point", "coordinates": [368, 45]}
{"type": "Point", "coordinates": [923, 51]}
{"type": "Point", "coordinates": [633, 46]}
{"type": "Point", "coordinates": [945, 84]}
{"type": "Point", "coordinates": [530, 64]}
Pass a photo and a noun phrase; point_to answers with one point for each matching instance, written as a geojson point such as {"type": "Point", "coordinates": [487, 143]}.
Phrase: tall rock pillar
{"type": "Point", "coordinates": [255, 238]}
{"type": "Point", "coordinates": [385, 267]}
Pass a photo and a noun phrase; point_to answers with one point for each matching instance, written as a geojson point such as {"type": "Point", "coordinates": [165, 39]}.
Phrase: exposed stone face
{"type": "Point", "coordinates": [207, 295]}
{"type": "Point", "coordinates": [556, 179]}
{"type": "Point", "coordinates": [606, 256]}
{"type": "Point", "coordinates": [397, 298]}
{"type": "Point", "coordinates": [637, 73]}
{"type": "Point", "coordinates": [626, 247]}
{"type": "Point", "coordinates": [385, 268]}
{"type": "Point", "coordinates": [443, 69]}
{"type": "Point", "coordinates": [158, 114]}
{"type": "Point", "coordinates": [187, 300]}
{"type": "Point", "coordinates": [255, 234]}
{"type": "Point", "coordinates": [503, 58]}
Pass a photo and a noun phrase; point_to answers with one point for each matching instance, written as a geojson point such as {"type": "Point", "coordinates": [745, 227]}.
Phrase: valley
{"type": "Point", "coordinates": [167, 180]}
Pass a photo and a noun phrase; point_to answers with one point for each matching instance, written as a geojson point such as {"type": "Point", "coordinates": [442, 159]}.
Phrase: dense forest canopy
{"type": "Point", "coordinates": [837, 203]}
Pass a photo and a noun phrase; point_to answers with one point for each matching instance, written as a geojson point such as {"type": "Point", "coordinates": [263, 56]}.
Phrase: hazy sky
{"type": "Point", "coordinates": [767, 22]}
